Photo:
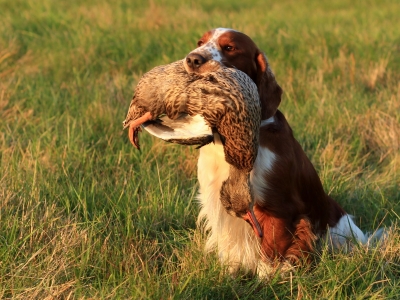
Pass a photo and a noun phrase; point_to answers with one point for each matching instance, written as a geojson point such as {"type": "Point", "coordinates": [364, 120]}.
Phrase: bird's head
{"type": "Point", "coordinates": [237, 197]}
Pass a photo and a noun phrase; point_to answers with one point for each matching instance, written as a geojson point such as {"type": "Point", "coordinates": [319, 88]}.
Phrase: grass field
{"type": "Point", "coordinates": [84, 215]}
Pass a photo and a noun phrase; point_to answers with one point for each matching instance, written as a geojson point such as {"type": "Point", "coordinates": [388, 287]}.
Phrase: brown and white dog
{"type": "Point", "coordinates": [291, 205]}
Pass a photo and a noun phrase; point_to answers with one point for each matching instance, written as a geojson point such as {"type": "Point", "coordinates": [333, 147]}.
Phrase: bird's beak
{"type": "Point", "coordinates": [134, 128]}
{"type": "Point", "coordinates": [251, 218]}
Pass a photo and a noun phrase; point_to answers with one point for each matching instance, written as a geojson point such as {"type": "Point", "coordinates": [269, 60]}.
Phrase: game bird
{"type": "Point", "coordinates": [188, 108]}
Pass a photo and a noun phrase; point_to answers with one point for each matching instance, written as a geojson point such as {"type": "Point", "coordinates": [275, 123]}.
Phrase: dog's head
{"type": "Point", "coordinates": [236, 50]}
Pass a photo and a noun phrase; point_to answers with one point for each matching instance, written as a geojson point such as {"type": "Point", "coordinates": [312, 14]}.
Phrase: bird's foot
{"type": "Point", "coordinates": [134, 129]}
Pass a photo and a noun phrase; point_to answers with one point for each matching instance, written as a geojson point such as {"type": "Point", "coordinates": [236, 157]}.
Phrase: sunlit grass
{"type": "Point", "coordinates": [83, 214]}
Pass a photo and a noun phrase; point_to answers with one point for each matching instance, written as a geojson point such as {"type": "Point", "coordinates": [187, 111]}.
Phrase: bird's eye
{"type": "Point", "coordinates": [200, 43]}
{"type": "Point", "coordinates": [229, 48]}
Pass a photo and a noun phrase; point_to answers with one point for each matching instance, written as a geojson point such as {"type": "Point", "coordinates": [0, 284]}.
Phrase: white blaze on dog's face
{"type": "Point", "coordinates": [208, 45]}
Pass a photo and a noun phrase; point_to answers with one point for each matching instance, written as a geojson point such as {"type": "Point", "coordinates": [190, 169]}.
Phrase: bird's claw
{"type": "Point", "coordinates": [136, 137]}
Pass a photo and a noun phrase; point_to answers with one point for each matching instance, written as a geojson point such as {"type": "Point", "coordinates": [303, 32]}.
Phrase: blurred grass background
{"type": "Point", "coordinates": [84, 215]}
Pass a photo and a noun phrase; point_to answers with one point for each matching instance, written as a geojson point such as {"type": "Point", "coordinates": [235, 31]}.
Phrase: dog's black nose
{"type": "Point", "coordinates": [195, 61]}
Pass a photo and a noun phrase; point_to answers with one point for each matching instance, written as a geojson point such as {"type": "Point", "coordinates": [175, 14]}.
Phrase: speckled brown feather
{"type": "Point", "coordinates": [226, 98]}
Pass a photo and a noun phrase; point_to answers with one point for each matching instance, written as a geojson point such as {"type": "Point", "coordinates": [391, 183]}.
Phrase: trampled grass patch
{"type": "Point", "coordinates": [84, 215]}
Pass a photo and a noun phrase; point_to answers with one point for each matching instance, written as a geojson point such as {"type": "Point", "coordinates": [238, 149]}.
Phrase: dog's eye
{"type": "Point", "coordinates": [200, 43]}
{"type": "Point", "coordinates": [229, 48]}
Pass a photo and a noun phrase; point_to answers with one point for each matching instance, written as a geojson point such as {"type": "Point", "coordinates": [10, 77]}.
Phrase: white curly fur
{"type": "Point", "coordinates": [231, 237]}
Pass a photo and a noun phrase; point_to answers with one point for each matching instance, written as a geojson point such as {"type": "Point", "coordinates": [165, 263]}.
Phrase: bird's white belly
{"type": "Point", "coordinates": [183, 128]}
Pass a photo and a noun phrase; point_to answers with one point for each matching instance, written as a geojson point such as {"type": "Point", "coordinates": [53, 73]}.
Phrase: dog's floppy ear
{"type": "Point", "coordinates": [269, 90]}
